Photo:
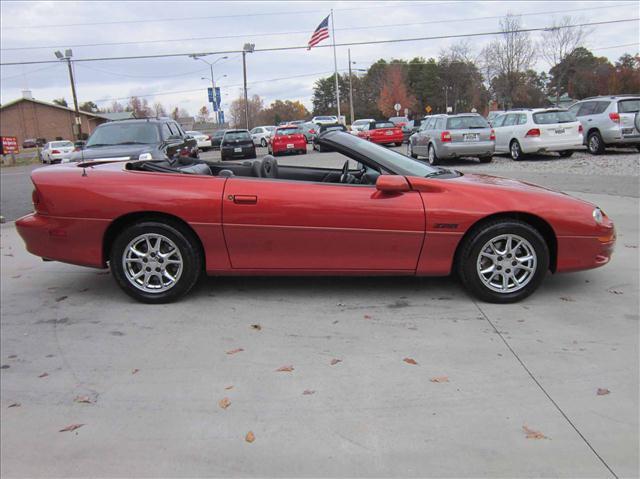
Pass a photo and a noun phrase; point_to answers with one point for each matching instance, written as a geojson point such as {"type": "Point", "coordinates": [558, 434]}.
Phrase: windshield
{"type": "Point", "coordinates": [193, 133]}
{"type": "Point", "coordinates": [325, 118]}
{"type": "Point", "coordinates": [124, 133]}
{"type": "Point", "coordinates": [384, 124]}
{"type": "Point", "coordinates": [287, 131]}
{"type": "Point", "coordinates": [61, 144]}
{"type": "Point", "coordinates": [360, 122]}
{"type": "Point", "coordinates": [334, 127]}
{"type": "Point", "coordinates": [629, 106]}
{"type": "Point", "coordinates": [464, 122]}
{"type": "Point", "coordinates": [237, 135]}
{"type": "Point", "coordinates": [270, 128]}
{"type": "Point", "coordinates": [399, 119]}
{"type": "Point", "coordinates": [388, 159]}
{"type": "Point", "coordinates": [550, 117]}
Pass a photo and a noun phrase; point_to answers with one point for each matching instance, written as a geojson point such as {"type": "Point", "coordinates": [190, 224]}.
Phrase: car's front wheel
{"type": "Point", "coordinates": [503, 261]}
{"type": "Point", "coordinates": [156, 262]}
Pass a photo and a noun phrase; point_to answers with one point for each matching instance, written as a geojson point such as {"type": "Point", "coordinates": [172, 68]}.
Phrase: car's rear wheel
{"type": "Point", "coordinates": [595, 145]}
{"type": "Point", "coordinates": [411, 153]}
{"type": "Point", "coordinates": [566, 154]}
{"type": "Point", "coordinates": [503, 261]}
{"type": "Point", "coordinates": [433, 156]}
{"type": "Point", "coordinates": [155, 262]}
{"type": "Point", "coordinates": [398, 143]}
{"type": "Point", "coordinates": [263, 142]}
{"type": "Point", "coordinates": [486, 159]}
{"type": "Point", "coordinates": [515, 150]}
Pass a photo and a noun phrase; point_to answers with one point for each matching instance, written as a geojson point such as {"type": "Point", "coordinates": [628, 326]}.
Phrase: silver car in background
{"type": "Point", "coordinates": [443, 137]}
{"type": "Point", "coordinates": [608, 121]}
{"type": "Point", "coordinates": [57, 152]}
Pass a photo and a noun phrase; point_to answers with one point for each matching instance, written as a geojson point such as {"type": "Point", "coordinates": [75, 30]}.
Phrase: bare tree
{"type": "Point", "coordinates": [557, 43]}
{"type": "Point", "coordinates": [158, 109]}
{"type": "Point", "coordinates": [508, 57]}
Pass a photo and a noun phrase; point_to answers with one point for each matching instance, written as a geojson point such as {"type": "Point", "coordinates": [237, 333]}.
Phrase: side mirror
{"type": "Point", "coordinates": [392, 184]}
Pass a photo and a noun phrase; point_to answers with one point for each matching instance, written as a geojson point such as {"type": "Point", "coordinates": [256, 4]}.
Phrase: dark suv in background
{"type": "Point", "coordinates": [140, 139]}
{"type": "Point", "coordinates": [237, 144]}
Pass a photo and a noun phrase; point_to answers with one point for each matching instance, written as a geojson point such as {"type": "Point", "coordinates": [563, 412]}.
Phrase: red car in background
{"type": "Point", "coordinates": [382, 132]}
{"type": "Point", "coordinates": [287, 139]}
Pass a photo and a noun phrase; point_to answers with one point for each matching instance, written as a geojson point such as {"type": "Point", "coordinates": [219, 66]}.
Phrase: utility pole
{"type": "Point", "coordinates": [350, 89]}
{"type": "Point", "coordinates": [78, 121]}
{"type": "Point", "coordinates": [247, 48]}
{"type": "Point", "coordinates": [335, 63]}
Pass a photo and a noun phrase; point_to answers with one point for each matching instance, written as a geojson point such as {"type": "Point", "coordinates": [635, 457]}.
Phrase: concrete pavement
{"type": "Point", "coordinates": [154, 374]}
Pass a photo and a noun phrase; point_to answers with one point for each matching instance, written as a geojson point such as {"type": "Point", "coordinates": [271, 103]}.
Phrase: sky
{"type": "Point", "coordinates": [32, 31]}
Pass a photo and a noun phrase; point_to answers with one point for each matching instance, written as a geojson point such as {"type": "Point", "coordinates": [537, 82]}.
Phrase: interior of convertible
{"type": "Point", "coordinates": [266, 167]}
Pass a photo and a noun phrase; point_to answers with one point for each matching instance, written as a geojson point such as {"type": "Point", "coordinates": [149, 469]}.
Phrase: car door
{"type": "Point", "coordinates": [422, 141]}
{"type": "Point", "coordinates": [280, 225]}
{"type": "Point", "coordinates": [504, 131]}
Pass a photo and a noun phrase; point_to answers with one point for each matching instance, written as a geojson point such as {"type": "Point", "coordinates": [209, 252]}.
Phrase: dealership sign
{"type": "Point", "coordinates": [9, 145]}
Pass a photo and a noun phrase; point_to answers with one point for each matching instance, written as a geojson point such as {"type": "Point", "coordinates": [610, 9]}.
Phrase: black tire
{"type": "Point", "coordinates": [485, 159]}
{"type": "Point", "coordinates": [595, 145]}
{"type": "Point", "coordinates": [469, 253]}
{"type": "Point", "coordinates": [566, 154]}
{"type": "Point", "coordinates": [433, 156]}
{"type": "Point", "coordinates": [411, 153]}
{"type": "Point", "coordinates": [187, 246]}
{"type": "Point", "coordinates": [263, 142]}
{"type": "Point", "coordinates": [398, 143]}
{"type": "Point", "coordinates": [515, 150]}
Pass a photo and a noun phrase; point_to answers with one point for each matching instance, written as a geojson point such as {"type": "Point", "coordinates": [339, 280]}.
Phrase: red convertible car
{"type": "Point", "coordinates": [160, 224]}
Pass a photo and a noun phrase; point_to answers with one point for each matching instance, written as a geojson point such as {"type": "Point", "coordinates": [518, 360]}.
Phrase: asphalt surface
{"type": "Point", "coordinates": [495, 391]}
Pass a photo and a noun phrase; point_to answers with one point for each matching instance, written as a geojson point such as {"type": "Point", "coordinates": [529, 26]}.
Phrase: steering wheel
{"type": "Point", "coordinates": [345, 176]}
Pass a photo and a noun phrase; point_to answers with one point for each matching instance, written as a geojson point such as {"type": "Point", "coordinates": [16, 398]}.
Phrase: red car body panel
{"type": "Point", "coordinates": [383, 136]}
{"type": "Point", "coordinates": [277, 226]}
{"type": "Point", "coordinates": [280, 143]}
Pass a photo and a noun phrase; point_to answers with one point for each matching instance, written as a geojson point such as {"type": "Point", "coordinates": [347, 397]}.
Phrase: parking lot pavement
{"type": "Point", "coordinates": [154, 375]}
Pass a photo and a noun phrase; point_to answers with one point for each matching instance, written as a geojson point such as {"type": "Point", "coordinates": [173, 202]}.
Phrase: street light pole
{"type": "Point", "coordinates": [350, 88]}
{"type": "Point", "coordinates": [247, 48]}
{"type": "Point", "coordinates": [213, 82]}
{"type": "Point", "coordinates": [78, 121]}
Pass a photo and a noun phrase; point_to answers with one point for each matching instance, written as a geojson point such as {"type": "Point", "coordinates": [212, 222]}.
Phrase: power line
{"type": "Point", "coordinates": [306, 32]}
{"type": "Point", "coordinates": [346, 44]}
{"type": "Point", "coordinates": [216, 17]}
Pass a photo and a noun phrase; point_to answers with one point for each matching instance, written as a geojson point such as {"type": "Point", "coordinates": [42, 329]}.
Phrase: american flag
{"type": "Point", "coordinates": [320, 33]}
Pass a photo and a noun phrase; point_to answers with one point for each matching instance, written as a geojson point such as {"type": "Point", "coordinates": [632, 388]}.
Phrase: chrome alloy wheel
{"type": "Point", "coordinates": [152, 263]}
{"type": "Point", "coordinates": [506, 263]}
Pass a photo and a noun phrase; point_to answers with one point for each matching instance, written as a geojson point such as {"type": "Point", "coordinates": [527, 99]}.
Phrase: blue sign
{"type": "Point", "coordinates": [210, 93]}
{"type": "Point", "coordinates": [218, 95]}
{"type": "Point", "coordinates": [221, 116]}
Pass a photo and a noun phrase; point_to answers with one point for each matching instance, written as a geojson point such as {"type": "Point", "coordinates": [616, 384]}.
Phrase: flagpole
{"type": "Point", "coordinates": [335, 63]}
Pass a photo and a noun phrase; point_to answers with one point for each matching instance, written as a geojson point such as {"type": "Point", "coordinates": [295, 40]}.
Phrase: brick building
{"type": "Point", "coordinates": [29, 118]}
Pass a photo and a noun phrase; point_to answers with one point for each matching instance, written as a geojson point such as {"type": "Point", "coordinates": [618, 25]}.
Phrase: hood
{"type": "Point", "coordinates": [109, 152]}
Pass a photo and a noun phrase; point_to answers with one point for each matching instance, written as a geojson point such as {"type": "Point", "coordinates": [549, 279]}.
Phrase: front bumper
{"type": "Point", "coordinates": [204, 143]}
{"type": "Point", "coordinates": [577, 253]}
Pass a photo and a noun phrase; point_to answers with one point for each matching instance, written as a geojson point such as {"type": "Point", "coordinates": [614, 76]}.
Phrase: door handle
{"type": "Point", "coordinates": [245, 199]}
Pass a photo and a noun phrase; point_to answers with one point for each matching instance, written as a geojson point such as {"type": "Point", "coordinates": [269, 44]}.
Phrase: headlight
{"type": "Point", "coordinates": [145, 156]}
{"type": "Point", "coordinates": [598, 215]}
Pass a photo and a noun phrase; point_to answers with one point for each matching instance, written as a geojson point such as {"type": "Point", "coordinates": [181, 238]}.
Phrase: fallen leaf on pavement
{"type": "Point", "coordinates": [630, 246]}
{"type": "Point", "coordinates": [531, 434]}
{"type": "Point", "coordinates": [61, 298]}
{"type": "Point", "coordinates": [410, 361]}
{"type": "Point", "coordinates": [71, 427]}
{"type": "Point", "coordinates": [43, 375]}
{"type": "Point", "coordinates": [564, 298]}
{"type": "Point", "coordinates": [615, 291]}
{"type": "Point", "coordinates": [83, 399]}
{"type": "Point", "coordinates": [439, 379]}
{"type": "Point", "coordinates": [12, 356]}
{"type": "Point", "coordinates": [284, 369]}
{"type": "Point", "coordinates": [335, 361]}
{"type": "Point", "coordinates": [14, 404]}
{"type": "Point", "coordinates": [16, 276]}
{"type": "Point", "coordinates": [308, 392]}
{"type": "Point", "coordinates": [257, 327]}
{"type": "Point", "coordinates": [250, 437]}
{"type": "Point", "coordinates": [224, 403]}
{"type": "Point", "coordinates": [234, 351]}
{"type": "Point", "coordinates": [366, 316]}
{"type": "Point", "coordinates": [603, 391]}
{"type": "Point", "coordinates": [134, 371]}
{"type": "Point", "coordinates": [229, 387]}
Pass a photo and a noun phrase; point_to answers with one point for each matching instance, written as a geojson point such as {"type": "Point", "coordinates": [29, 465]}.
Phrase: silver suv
{"type": "Point", "coordinates": [442, 137]}
{"type": "Point", "coordinates": [608, 121]}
